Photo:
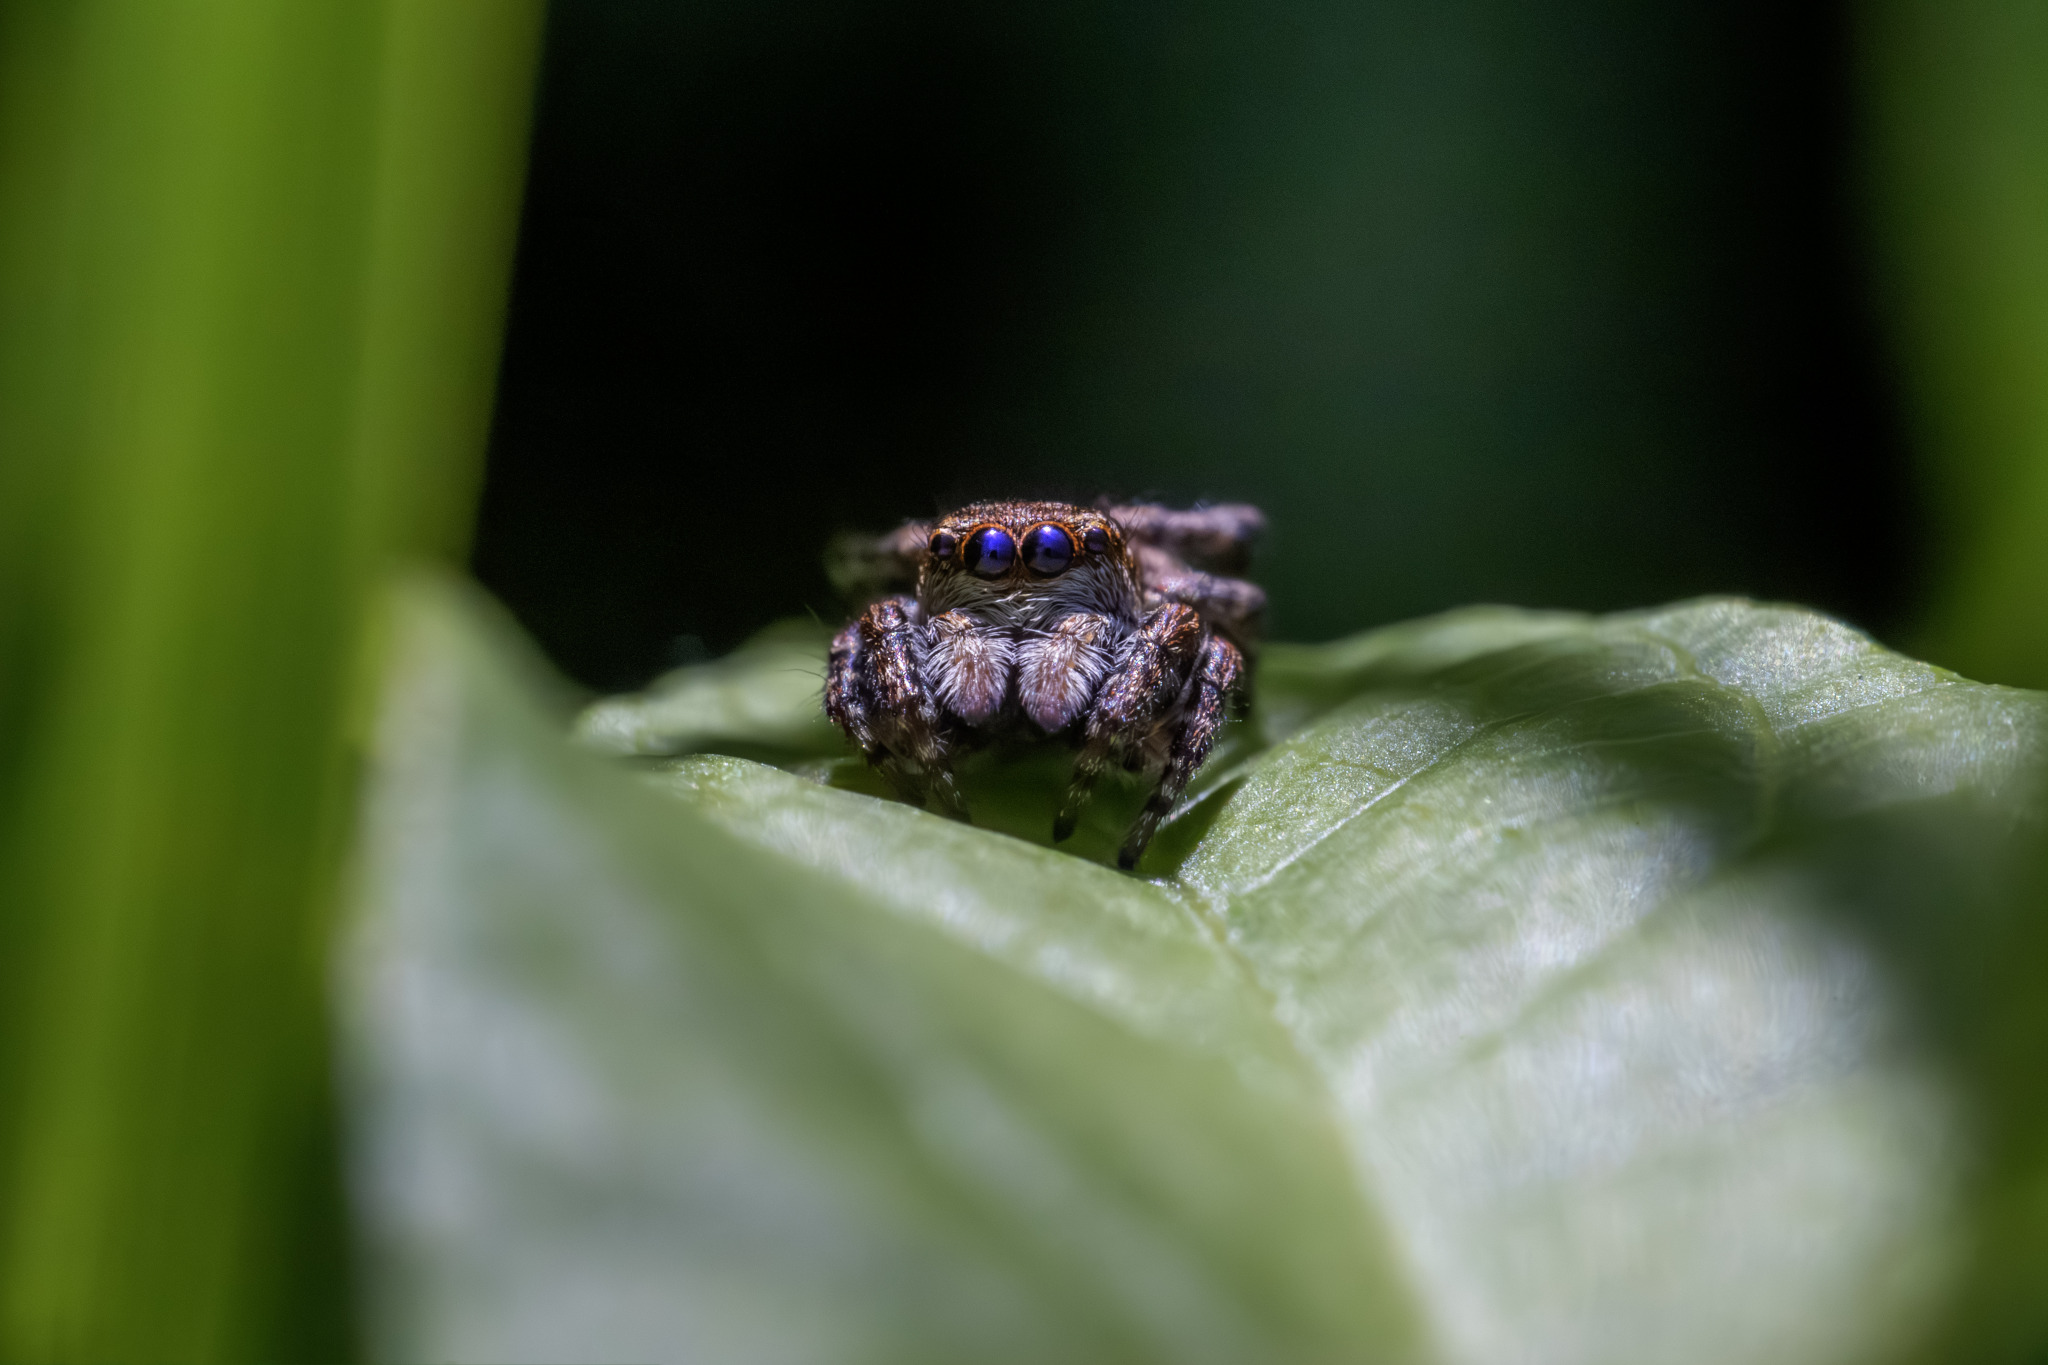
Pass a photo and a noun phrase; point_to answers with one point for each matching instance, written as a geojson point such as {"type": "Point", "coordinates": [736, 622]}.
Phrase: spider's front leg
{"type": "Point", "coordinates": [1217, 678]}
{"type": "Point", "coordinates": [1128, 722]}
{"type": "Point", "coordinates": [876, 694]}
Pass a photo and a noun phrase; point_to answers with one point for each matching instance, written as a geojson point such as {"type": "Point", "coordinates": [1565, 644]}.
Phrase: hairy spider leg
{"type": "Point", "coordinates": [875, 693]}
{"type": "Point", "coordinates": [1216, 682]}
{"type": "Point", "coordinates": [1231, 605]}
{"type": "Point", "coordinates": [1218, 537]}
{"type": "Point", "coordinates": [861, 567]}
{"type": "Point", "coordinates": [1141, 692]}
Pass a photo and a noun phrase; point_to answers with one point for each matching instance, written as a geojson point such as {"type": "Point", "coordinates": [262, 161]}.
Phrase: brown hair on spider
{"type": "Point", "coordinates": [1106, 627]}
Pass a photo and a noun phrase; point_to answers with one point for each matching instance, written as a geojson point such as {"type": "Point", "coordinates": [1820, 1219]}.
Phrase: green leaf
{"type": "Point", "coordinates": [1518, 986]}
{"type": "Point", "coordinates": [763, 696]}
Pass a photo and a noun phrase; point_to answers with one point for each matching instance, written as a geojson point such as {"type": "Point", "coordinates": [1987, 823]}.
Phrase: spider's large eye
{"type": "Point", "coordinates": [989, 552]}
{"type": "Point", "coordinates": [1048, 550]}
{"type": "Point", "coordinates": [943, 543]}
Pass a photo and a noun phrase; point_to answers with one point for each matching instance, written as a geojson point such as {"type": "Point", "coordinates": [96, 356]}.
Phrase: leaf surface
{"type": "Point", "coordinates": [1512, 987]}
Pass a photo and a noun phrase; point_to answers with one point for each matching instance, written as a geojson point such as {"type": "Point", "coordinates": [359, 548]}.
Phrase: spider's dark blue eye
{"type": "Point", "coordinates": [1095, 540]}
{"type": "Point", "coordinates": [943, 543]}
{"type": "Point", "coordinates": [1048, 550]}
{"type": "Point", "coordinates": [989, 552]}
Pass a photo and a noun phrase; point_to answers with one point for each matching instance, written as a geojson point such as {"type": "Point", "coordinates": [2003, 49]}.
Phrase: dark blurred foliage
{"type": "Point", "coordinates": [1554, 305]}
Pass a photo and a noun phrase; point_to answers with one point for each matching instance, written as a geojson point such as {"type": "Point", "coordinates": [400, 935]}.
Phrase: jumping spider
{"type": "Point", "coordinates": [1047, 619]}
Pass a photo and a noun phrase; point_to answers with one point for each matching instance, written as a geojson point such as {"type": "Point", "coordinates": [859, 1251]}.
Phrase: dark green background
{"type": "Point", "coordinates": [1553, 305]}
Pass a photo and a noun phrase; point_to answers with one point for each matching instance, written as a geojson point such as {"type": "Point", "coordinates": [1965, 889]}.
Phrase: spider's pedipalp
{"type": "Point", "coordinates": [1058, 670]}
{"type": "Point", "coordinates": [969, 665]}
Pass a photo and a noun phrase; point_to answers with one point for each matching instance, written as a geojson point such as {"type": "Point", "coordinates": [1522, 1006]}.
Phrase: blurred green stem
{"type": "Point", "coordinates": [1958, 98]}
{"type": "Point", "coordinates": [252, 267]}
{"type": "Point", "coordinates": [1959, 158]}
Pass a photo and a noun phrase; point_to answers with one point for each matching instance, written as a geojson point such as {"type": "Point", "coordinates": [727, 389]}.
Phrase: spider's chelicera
{"type": "Point", "coordinates": [1115, 629]}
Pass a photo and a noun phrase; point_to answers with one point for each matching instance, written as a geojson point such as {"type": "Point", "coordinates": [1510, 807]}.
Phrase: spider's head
{"type": "Point", "coordinates": [1038, 559]}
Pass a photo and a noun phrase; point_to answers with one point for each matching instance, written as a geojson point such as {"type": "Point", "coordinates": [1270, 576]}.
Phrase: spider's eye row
{"type": "Point", "coordinates": [1095, 540]}
{"type": "Point", "coordinates": [1048, 549]}
{"type": "Point", "coordinates": [989, 552]}
{"type": "Point", "coordinates": [943, 543]}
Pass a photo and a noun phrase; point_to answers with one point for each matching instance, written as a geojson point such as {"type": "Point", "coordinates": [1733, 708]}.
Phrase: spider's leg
{"type": "Point", "coordinates": [876, 694]}
{"type": "Point", "coordinates": [1232, 605]}
{"type": "Point", "coordinates": [862, 567]}
{"type": "Point", "coordinates": [1148, 681]}
{"type": "Point", "coordinates": [845, 702]}
{"type": "Point", "coordinates": [1216, 680]}
{"type": "Point", "coordinates": [1218, 537]}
